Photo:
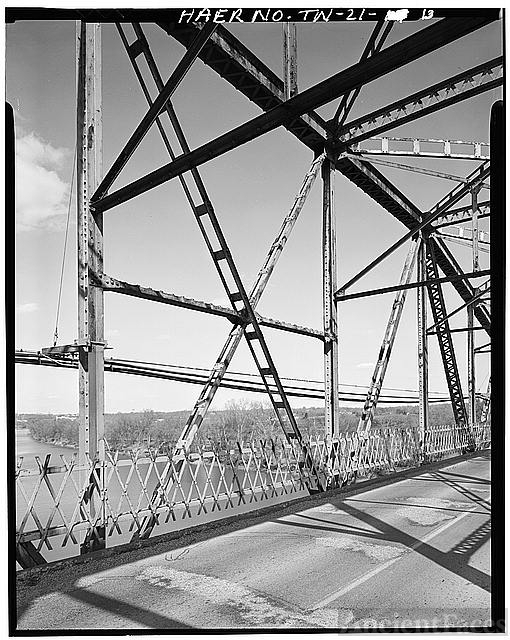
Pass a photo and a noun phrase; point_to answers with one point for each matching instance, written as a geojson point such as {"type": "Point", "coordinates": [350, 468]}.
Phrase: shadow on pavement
{"type": "Point", "coordinates": [62, 577]}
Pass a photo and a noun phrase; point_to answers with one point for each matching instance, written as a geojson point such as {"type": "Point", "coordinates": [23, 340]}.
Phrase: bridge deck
{"type": "Point", "coordinates": [415, 550]}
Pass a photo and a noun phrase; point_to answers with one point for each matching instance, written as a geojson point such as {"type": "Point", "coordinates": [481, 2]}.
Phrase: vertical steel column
{"type": "Point", "coordinates": [290, 59]}
{"type": "Point", "coordinates": [471, 367]}
{"type": "Point", "coordinates": [423, 364]}
{"type": "Point", "coordinates": [90, 259]}
{"type": "Point", "coordinates": [474, 211]}
{"type": "Point", "coordinates": [471, 360]}
{"type": "Point", "coordinates": [329, 279]}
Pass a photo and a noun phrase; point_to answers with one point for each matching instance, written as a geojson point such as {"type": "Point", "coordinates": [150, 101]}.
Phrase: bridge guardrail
{"type": "Point", "coordinates": [61, 506]}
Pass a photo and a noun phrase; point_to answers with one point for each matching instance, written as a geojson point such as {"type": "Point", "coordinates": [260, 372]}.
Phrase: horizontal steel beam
{"type": "Point", "coordinates": [461, 330]}
{"type": "Point", "coordinates": [107, 283]}
{"type": "Point", "coordinates": [463, 242]}
{"type": "Point", "coordinates": [412, 285]}
{"type": "Point", "coordinates": [436, 148]}
{"type": "Point", "coordinates": [391, 58]}
{"type": "Point", "coordinates": [192, 376]}
{"type": "Point", "coordinates": [467, 84]}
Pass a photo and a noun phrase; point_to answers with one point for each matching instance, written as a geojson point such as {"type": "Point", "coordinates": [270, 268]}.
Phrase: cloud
{"type": "Point", "coordinates": [365, 365]}
{"type": "Point", "coordinates": [27, 307]}
{"type": "Point", "coordinates": [41, 194]}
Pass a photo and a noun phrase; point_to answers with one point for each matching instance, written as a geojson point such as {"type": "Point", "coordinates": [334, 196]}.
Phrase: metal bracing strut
{"type": "Point", "coordinates": [423, 348]}
{"type": "Point", "coordinates": [445, 341]}
{"type": "Point", "coordinates": [227, 271]}
{"type": "Point", "coordinates": [90, 260]}
{"type": "Point", "coordinates": [199, 411]}
{"type": "Point", "coordinates": [329, 284]}
{"type": "Point", "coordinates": [290, 59]}
{"type": "Point", "coordinates": [374, 391]}
{"type": "Point", "coordinates": [471, 371]}
{"type": "Point", "coordinates": [156, 107]}
{"type": "Point", "coordinates": [391, 146]}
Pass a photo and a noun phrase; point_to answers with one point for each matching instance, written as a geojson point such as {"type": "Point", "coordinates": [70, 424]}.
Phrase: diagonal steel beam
{"type": "Point", "coordinates": [467, 84]}
{"type": "Point", "coordinates": [377, 381]}
{"type": "Point", "coordinates": [395, 56]}
{"type": "Point", "coordinates": [155, 109]}
{"type": "Point", "coordinates": [234, 62]}
{"type": "Point", "coordinates": [443, 205]}
{"type": "Point", "coordinates": [482, 290]}
{"type": "Point", "coordinates": [450, 267]}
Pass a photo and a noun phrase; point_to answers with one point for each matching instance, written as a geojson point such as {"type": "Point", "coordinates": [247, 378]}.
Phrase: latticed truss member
{"type": "Point", "coordinates": [445, 341]}
{"type": "Point", "coordinates": [470, 83]}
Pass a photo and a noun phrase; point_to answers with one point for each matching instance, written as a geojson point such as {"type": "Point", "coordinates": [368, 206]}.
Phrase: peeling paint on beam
{"type": "Point", "coordinates": [107, 283]}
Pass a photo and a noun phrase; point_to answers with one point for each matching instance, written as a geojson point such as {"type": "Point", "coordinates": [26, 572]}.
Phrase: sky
{"type": "Point", "coordinates": [153, 240]}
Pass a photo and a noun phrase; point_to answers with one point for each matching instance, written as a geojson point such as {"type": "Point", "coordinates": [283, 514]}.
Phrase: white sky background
{"type": "Point", "coordinates": [153, 240]}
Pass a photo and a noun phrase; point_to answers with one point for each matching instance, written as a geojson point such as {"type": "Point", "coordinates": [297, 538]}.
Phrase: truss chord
{"type": "Point", "coordinates": [115, 365]}
{"type": "Point", "coordinates": [467, 84]}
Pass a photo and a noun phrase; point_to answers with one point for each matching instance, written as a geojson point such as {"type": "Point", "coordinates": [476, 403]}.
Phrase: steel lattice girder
{"type": "Point", "coordinates": [392, 146]}
{"type": "Point", "coordinates": [391, 58]}
{"type": "Point", "coordinates": [445, 341]}
{"type": "Point", "coordinates": [462, 86]}
{"type": "Point", "coordinates": [462, 214]}
{"type": "Point", "coordinates": [226, 55]}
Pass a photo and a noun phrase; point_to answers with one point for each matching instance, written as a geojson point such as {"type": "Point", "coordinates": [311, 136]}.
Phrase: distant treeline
{"type": "Point", "coordinates": [238, 421]}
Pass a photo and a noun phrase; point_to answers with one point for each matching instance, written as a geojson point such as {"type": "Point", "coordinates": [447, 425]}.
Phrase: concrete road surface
{"type": "Point", "coordinates": [412, 553]}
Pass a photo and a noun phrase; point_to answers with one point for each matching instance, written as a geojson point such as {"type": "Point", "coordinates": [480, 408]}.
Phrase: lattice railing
{"type": "Point", "coordinates": [62, 505]}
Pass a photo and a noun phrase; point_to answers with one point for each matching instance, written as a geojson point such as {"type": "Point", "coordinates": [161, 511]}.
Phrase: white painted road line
{"type": "Point", "coordinates": [355, 583]}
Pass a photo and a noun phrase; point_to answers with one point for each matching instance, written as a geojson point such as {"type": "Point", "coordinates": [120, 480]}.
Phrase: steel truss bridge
{"type": "Point", "coordinates": [188, 483]}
